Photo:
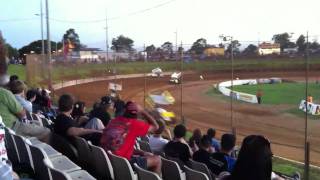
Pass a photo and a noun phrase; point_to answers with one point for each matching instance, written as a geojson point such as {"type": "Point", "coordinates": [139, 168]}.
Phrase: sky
{"type": "Point", "coordinates": [156, 21]}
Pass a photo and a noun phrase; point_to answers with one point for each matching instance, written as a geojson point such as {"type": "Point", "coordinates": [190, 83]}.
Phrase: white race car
{"type": "Point", "coordinates": [157, 72]}
{"type": "Point", "coordinates": [175, 78]}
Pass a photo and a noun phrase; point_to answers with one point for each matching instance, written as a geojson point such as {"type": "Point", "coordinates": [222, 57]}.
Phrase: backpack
{"type": "Point", "coordinates": [114, 135]}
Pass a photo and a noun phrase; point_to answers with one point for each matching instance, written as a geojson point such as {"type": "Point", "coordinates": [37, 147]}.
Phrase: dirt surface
{"type": "Point", "coordinates": [285, 131]}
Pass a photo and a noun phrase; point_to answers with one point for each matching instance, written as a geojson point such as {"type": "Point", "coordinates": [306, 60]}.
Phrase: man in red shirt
{"type": "Point", "coordinates": [121, 133]}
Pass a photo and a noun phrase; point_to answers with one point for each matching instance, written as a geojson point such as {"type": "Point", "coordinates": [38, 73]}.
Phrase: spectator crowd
{"type": "Point", "coordinates": [115, 126]}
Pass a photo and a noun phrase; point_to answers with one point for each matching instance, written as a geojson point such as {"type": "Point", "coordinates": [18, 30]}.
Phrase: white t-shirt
{"type": "Point", "coordinates": [157, 143]}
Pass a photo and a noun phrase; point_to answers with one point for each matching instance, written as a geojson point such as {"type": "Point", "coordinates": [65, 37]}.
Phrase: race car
{"type": "Point", "coordinates": [157, 72]}
{"type": "Point", "coordinates": [175, 78]}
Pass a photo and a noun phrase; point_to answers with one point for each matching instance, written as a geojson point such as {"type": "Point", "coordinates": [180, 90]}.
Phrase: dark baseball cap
{"type": "Point", "coordinates": [106, 100]}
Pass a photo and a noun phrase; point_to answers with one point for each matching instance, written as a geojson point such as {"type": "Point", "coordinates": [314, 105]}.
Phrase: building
{"type": "Point", "coordinates": [213, 51]}
{"type": "Point", "coordinates": [269, 49]}
{"type": "Point", "coordinates": [290, 50]}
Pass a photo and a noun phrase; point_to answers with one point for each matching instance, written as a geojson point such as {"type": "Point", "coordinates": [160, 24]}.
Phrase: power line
{"type": "Point", "coordinates": [17, 19]}
{"type": "Point", "coordinates": [116, 17]}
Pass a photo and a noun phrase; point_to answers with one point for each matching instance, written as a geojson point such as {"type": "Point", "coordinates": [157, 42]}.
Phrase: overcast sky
{"type": "Point", "coordinates": [245, 20]}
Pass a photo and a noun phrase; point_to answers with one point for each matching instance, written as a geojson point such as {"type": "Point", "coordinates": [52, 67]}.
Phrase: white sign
{"type": "Point", "coordinates": [312, 108]}
{"type": "Point", "coordinates": [115, 87]}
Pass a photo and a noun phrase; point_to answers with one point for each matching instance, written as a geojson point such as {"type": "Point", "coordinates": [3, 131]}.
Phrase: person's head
{"type": "Point", "coordinates": [31, 95]}
{"type": "Point", "coordinates": [228, 141]}
{"type": "Point", "coordinates": [211, 132]}
{"type": "Point", "coordinates": [161, 128]}
{"type": "Point", "coordinates": [179, 131]}
{"type": "Point", "coordinates": [131, 110]}
{"type": "Point", "coordinates": [65, 103]}
{"type": "Point", "coordinates": [17, 87]}
{"type": "Point", "coordinates": [205, 142]}
{"type": "Point", "coordinates": [106, 102]}
{"type": "Point", "coordinates": [13, 78]}
{"type": "Point", "coordinates": [78, 109]}
{"type": "Point", "coordinates": [254, 159]}
{"type": "Point", "coordinates": [197, 134]}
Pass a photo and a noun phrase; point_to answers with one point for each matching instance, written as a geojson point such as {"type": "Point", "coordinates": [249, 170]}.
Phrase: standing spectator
{"type": "Point", "coordinates": [214, 142]}
{"type": "Point", "coordinates": [121, 133]}
{"type": "Point", "coordinates": [156, 141]}
{"type": "Point", "coordinates": [194, 141]}
{"type": "Point", "coordinates": [178, 147]}
{"type": "Point", "coordinates": [222, 161]}
{"type": "Point", "coordinates": [18, 88]}
{"type": "Point", "coordinates": [67, 127]}
{"type": "Point", "coordinates": [259, 96]}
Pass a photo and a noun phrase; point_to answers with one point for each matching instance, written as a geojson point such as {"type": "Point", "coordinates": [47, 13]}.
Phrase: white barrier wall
{"type": "Point", "coordinates": [224, 89]}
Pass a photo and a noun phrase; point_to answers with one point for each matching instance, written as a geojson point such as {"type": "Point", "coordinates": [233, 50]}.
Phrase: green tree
{"type": "Point", "coordinates": [284, 40]}
{"type": "Point", "coordinates": [2, 49]}
{"type": "Point", "coordinates": [73, 37]}
{"type": "Point", "coordinates": [236, 45]}
{"type": "Point", "coordinates": [36, 46]}
{"type": "Point", "coordinates": [314, 45]}
{"type": "Point", "coordinates": [167, 47]}
{"type": "Point", "coordinates": [199, 46]}
{"type": "Point", "coordinates": [301, 43]}
{"type": "Point", "coordinates": [12, 52]}
{"type": "Point", "coordinates": [122, 44]}
{"type": "Point", "coordinates": [251, 49]}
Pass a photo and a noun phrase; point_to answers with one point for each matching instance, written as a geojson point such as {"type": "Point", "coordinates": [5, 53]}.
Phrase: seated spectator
{"type": "Point", "coordinates": [178, 147]}
{"type": "Point", "coordinates": [46, 99]}
{"type": "Point", "coordinates": [156, 141]}
{"type": "Point", "coordinates": [195, 139]}
{"type": "Point", "coordinates": [119, 106]}
{"type": "Point", "coordinates": [101, 110]}
{"type": "Point", "coordinates": [67, 127]}
{"type": "Point", "coordinates": [18, 88]}
{"type": "Point", "coordinates": [121, 133]}
{"type": "Point", "coordinates": [11, 110]}
{"type": "Point", "coordinates": [78, 113]}
{"type": "Point", "coordinates": [31, 95]}
{"type": "Point", "coordinates": [214, 142]}
{"type": "Point", "coordinates": [254, 160]}
{"type": "Point", "coordinates": [13, 78]}
{"type": "Point", "coordinates": [222, 160]}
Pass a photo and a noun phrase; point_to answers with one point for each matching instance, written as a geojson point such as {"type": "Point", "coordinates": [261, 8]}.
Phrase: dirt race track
{"type": "Point", "coordinates": [284, 130]}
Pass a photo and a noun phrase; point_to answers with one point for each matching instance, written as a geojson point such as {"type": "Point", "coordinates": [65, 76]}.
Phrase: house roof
{"type": "Point", "coordinates": [265, 45]}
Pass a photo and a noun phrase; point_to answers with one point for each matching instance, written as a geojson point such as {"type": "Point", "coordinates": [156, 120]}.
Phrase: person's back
{"type": "Point", "coordinates": [222, 160]}
{"type": "Point", "coordinates": [9, 106]}
{"type": "Point", "coordinates": [156, 141]}
{"type": "Point", "coordinates": [214, 142]}
{"type": "Point", "coordinates": [178, 148]}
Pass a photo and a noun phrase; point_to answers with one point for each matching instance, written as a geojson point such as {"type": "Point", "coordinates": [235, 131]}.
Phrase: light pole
{"type": "Point", "coordinates": [49, 46]}
{"type": "Point", "coordinates": [230, 39]}
{"type": "Point", "coordinates": [41, 24]}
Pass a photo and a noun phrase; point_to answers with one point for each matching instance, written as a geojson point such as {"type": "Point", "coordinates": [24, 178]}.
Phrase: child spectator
{"type": "Point", "coordinates": [18, 88]}
{"type": "Point", "coordinates": [100, 110]}
{"type": "Point", "coordinates": [156, 141]}
{"type": "Point", "coordinates": [194, 141]}
{"type": "Point", "coordinates": [214, 142]}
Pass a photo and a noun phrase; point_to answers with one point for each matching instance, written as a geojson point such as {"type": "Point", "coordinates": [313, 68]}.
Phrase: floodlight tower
{"type": "Point", "coordinates": [230, 40]}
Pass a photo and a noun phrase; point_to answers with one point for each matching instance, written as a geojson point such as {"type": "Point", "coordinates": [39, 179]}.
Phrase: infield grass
{"type": "Point", "coordinates": [283, 93]}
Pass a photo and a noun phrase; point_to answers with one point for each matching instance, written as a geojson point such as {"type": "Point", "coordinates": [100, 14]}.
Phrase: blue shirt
{"type": "Point", "coordinates": [27, 105]}
{"type": "Point", "coordinates": [216, 144]}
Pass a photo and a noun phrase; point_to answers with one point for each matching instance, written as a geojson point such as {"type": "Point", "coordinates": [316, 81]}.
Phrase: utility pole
{"type": "Point", "coordinates": [181, 86]}
{"type": "Point", "coordinates": [145, 56]}
{"type": "Point", "coordinates": [176, 37]}
{"type": "Point", "coordinates": [306, 143]}
{"type": "Point", "coordinates": [107, 38]}
{"type": "Point", "coordinates": [49, 47]}
{"type": "Point", "coordinates": [41, 24]}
